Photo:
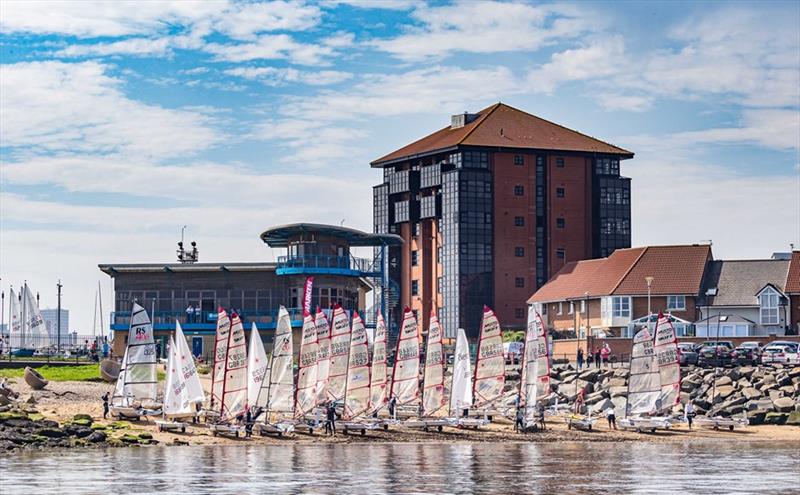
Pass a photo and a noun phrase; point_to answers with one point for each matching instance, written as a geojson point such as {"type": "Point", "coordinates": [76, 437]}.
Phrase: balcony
{"type": "Point", "coordinates": [314, 264]}
{"type": "Point", "coordinates": [206, 321]}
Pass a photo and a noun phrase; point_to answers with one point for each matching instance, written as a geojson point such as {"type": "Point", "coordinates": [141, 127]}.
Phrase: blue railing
{"type": "Point", "coordinates": [165, 320]}
{"type": "Point", "coordinates": [318, 263]}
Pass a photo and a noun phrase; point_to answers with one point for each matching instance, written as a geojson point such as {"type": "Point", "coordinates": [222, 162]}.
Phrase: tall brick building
{"type": "Point", "coordinates": [493, 205]}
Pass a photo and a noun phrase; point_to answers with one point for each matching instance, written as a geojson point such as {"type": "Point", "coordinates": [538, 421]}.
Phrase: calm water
{"type": "Point", "coordinates": [410, 468]}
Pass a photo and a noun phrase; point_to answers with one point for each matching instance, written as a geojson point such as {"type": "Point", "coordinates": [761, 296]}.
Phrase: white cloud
{"type": "Point", "coordinates": [487, 27]}
{"type": "Point", "coordinates": [246, 20]}
{"type": "Point", "coordinates": [314, 143]}
{"type": "Point", "coordinates": [373, 4]}
{"type": "Point", "coordinates": [631, 103]}
{"type": "Point", "coordinates": [597, 59]}
{"type": "Point", "coordinates": [771, 128]}
{"type": "Point", "coordinates": [79, 108]}
{"type": "Point", "coordinates": [273, 76]}
{"type": "Point", "coordinates": [138, 47]}
{"type": "Point", "coordinates": [273, 47]}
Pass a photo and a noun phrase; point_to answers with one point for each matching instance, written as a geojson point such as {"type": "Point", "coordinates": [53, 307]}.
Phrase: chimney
{"type": "Point", "coordinates": [460, 120]}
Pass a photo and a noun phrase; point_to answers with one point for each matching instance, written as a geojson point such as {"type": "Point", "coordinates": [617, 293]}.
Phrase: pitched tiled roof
{"type": "Point", "coordinates": [503, 126]}
{"type": "Point", "coordinates": [675, 270]}
{"type": "Point", "coordinates": [738, 282]}
{"type": "Point", "coordinates": [793, 278]}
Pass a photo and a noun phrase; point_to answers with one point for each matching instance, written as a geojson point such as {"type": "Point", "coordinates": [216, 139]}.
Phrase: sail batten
{"type": "Point", "coordinates": [339, 354]}
{"type": "Point", "coordinates": [433, 400]}
{"type": "Point", "coordinates": [461, 385]}
{"type": "Point", "coordinates": [405, 375]}
{"type": "Point", "coordinates": [490, 374]}
{"type": "Point", "coordinates": [357, 389]}
{"type": "Point", "coordinates": [644, 385]}
{"type": "Point", "coordinates": [535, 375]}
{"type": "Point", "coordinates": [377, 387]}
{"type": "Point", "coordinates": [669, 369]}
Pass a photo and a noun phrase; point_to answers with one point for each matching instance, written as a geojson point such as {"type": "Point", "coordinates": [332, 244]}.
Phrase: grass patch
{"type": "Point", "coordinates": [81, 373]}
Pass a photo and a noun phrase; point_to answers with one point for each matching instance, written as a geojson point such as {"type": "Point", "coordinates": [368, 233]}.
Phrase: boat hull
{"type": "Point", "coordinates": [580, 422]}
{"type": "Point", "coordinates": [280, 428]}
{"type": "Point", "coordinates": [716, 423]}
{"type": "Point", "coordinates": [227, 430]}
{"type": "Point", "coordinates": [641, 424]}
{"type": "Point", "coordinates": [171, 426]}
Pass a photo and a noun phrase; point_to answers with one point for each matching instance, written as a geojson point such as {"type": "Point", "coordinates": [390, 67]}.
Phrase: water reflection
{"type": "Point", "coordinates": [570, 467]}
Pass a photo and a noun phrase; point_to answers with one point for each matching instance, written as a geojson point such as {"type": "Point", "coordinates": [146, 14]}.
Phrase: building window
{"type": "Point", "coordinates": [560, 223]}
{"type": "Point", "coordinates": [439, 285]}
{"type": "Point", "coordinates": [621, 307]}
{"type": "Point", "coordinates": [560, 162]}
{"type": "Point", "coordinates": [560, 309]}
{"type": "Point", "coordinates": [519, 282]}
{"type": "Point", "coordinates": [519, 312]}
{"type": "Point", "coordinates": [769, 301]}
{"type": "Point", "coordinates": [519, 251]}
{"type": "Point", "coordinates": [439, 255]}
{"type": "Point", "coordinates": [519, 190]}
{"type": "Point", "coordinates": [519, 221]}
{"type": "Point", "coordinates": [416, 230]}
{"type": "Point", "coordinates": [571, 307]}
{"type": "Point", "coordinates": [676, 303]}
{"type": "Point", "coordinates": [559, 192]}
{"type": "Point", "coordinates": [561, 253]}
{"type": "Point", "coordinates": [583, 306]}
{"type": "Point", "coordinates": [414, 257]}
{"type": "Point", "coordinates": [518, 160]}
{"type": "Point", "coordinates": [415, 287]}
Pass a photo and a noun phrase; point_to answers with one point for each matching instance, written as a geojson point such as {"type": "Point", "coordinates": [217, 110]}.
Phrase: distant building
{"type": "Point", "coordinates": [191, 293]}
{"type": "Point", "coordinates": [793, 291]}
{"type": "Point", "coordinates": [491, 207]}
{"type": "Point", "coordinates": [50, 316]}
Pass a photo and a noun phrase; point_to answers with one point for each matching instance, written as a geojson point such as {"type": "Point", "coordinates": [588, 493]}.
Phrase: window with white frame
{"type": "Point", "coordinates": [621, 307]}
{"type": "Point", "coordinates": [676, 303]}
{"type": "Point", "coordinates": [583, 306]}
{"type": "Point", "coordinates": [571, 307]}
{"type": "Point", "coordinates": [560, 308]}
{"type": "Point", "coordinates": [769, 301]}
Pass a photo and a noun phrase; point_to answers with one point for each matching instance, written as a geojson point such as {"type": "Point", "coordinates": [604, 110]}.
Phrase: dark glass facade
{"type": "Point", "coordinates": [611, 197]}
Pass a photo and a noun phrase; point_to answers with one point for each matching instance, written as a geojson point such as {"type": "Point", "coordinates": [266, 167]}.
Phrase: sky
{"type": "Point", "coordinates": [121, 122]}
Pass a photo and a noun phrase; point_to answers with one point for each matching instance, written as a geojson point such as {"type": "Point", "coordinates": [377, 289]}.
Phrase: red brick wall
{"type": "Point", "coordinates": [574, 208]}
{"type": "Point", "coordinates": [507, 267]}
{"type": "Point", "coordinates": [659, 303]}
{"type": "Point", "coordinates": [794, 309]}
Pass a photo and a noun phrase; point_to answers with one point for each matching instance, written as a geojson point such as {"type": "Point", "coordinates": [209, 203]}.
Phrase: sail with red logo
{"type": "Point", "coordinates": [377, 386]}
{"type": "Point", "coordinates": [405, 375]}
{"type": "Point", "coordinates": [490, 367]}
{"type": "Point", "coordinates": [669, 369]}
{"type": "Point", "coordinates": [340, 351]}
{"type": "Point", "coordinates": [433, 400]}
{"type": "Point", "coordinates": [306, 394]}
{"type": "Point", "coordinates": [535, 375]}
{"type": "Point", "coordinates": [358, 381]}
{"type": "Point", "coordinates": [323, 330]}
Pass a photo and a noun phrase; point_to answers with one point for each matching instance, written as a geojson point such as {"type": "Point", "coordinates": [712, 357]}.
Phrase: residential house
{"type": "Point", "coordinates": [611, 296]}
{"type": "Point", "coordinates": [792, 289]}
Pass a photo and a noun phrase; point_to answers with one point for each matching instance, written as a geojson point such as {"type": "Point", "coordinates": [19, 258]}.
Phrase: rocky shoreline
{"type": "Point", "coordinates": [766, 394]}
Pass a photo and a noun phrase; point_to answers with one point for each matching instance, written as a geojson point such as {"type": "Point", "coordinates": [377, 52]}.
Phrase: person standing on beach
{"type": "Point", "coordinates": [689, 412]}
{"type": "Point", "coordinates": [540, 416]}
{"type": "Point", "coordinates": [604, 353]}
{"type": "Point", "coordinates": [611, 417]}
{"type": "Point", "coordinates": [519, 426]}
{"type": "Point", "coordinates": [104, 398]}
{"type": "Point", "coordinates": [579, 400]}
{"type": "Point", "coordinates": [597, 356]}
{"type": "Point", "coordinates": [580, 358]}
{"type": "Point", "coordinates": [392, 405]}
{"type": "Point", "coordinates": [331, 423]}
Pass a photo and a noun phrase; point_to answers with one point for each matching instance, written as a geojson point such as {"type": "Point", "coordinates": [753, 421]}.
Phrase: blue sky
{"type": "Point", "coordinates": [120, 122]}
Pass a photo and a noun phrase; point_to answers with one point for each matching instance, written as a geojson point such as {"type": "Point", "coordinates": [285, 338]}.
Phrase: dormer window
{"type": "Point", "coordinates": [768, 301]}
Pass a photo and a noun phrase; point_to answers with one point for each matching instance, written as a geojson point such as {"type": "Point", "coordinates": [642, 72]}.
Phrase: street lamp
{"type": "Point", "coordinates": [649, 281]}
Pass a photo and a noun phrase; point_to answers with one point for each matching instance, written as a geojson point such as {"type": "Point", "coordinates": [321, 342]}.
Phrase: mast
{"type": "Point", "coordinates": [433, 382]}
{"type": "Point", "coordinates": [490, 374]}
{"type": "Point", "coordinates": [405, 374]}
{"type": "Point", "coordinates": [100, 298]}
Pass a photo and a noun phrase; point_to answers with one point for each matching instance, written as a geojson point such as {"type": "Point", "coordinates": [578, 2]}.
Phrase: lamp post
{"type": "Point", "coordinates": [588, 325]}
{"type": "Point", "coordinates": [649, 281]}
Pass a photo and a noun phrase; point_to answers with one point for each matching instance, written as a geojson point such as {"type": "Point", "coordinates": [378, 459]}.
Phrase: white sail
{"type": "Point", "coordinates": [16, 339]}
{"type": "Point", "coordinates": [433, 400]}
{"type": "Point", "coordinates": [535, 379]}
{"type": "Point", "coordinates": [323, 330]}
{"type": "Point", "coordinates": [358, 382]}
{"type": "Point", "coordinates": [280, 389]}
{"type": "Point", "coordinates": [140, 381]}
{"type": "Point", "coordinates": [118, 396]}
{"type": "Point", "coordinates": [220, 358]}
{"type": "Point", "coordinates": [36, 330]}
{"type": "Point", "coordinates": [461, 386]}
{"type": "Point", "coordinates": [175, 386]}
{"type": "Point", "coordinates": [377, 386]}
{"type": "Point", "coordinates": [306, 394]}
{"type": "Point", "coordinates": [644, 384]}
{"type": "Point", "coordinates": [669, 369]}
{"type": "Point", "coordinates": [405, 376]}
{"type": "Point", "coordinates": [257, 370]}
{"type": "Point", "coordinates": [188, 369]}
{"type": "Point", "coordinates": [340, 351]}
{"type": "Point", "coordinates": [490, 367]}
{"type": "Point", "coordinates": [234, 392]}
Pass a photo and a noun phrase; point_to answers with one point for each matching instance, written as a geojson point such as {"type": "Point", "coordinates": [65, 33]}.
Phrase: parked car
{"type": "Point", "coordinates": [715, 355]}
{"type": "Point", "coordinates": [779, 343]}
{"type": "Point", "coordinates": [686, 354]}
{"type": "Point", "coordinates": [780, 354]}
{"type": "Point", "coordinates": [745, 355]}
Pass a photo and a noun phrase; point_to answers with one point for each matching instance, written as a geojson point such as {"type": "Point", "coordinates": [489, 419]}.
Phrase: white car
{"type": "Point", "coordinates": [782, 354]}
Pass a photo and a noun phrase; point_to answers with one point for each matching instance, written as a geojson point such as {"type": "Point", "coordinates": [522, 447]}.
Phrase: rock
{"type": "Point", "coordinates": [621, 373]}
{"type": "Point", "coordinates": [98, 426]}
{"type": "Point", "coordinates": [178, 441]}
{"type": "Point", "coordinates": [596, 397]}
{"type": "Point", "coordinates": [51, 433]}
{"type": "Point", "coordinates": [554, 383]}
{"type": "Point", "coordinates": [618, 391]}
{"type": "Point", "coordinates": [83, 432]}
{"type": "Point", "coordinates": [774, 394]}
{"type": "Point", "coordinates": [567, 390]}
{"type": "Point", "coordinates": [744, 383]}
{"type": "Point", "coordinates": [12, 415]}
{"type": "Point", "coordinates": [145, 436]}
{"type": "Point", "coordinates": [783, 404]}
{"type": "Point", "coordinates": [756, 375]}
{"type": "Point", "coordinates": [82, 422]}
{"type": "Point", "coordinates": [788, 390]}
{"type": "Point", "coordinates": [568, 377]}
{"type": "Point", "coordinates": [617, 382]}
{"type": "Point", "coordinates": [746, 371]}
{"type": "Point", "coordinates": [775, 418]}
{"type": "Point", "coordinates": [588, 387]}
{"type": "Point", "coordinates": [589, 375]}
{"type": "Point", "coordinates": [129, 438]}
{"type": "Point", "coordinates": [756, 417]}
{"type": "Point", "coordinates": [750, 393]}
{"type": "Point", "coordinates": [783, 379]}
{"type": "Point", "coordinates": [794, 372]}
{"type": "Point", "coordinates": [794, 418]}
{"type": "Point", "coordinates": [19, 423]}
{"type": "Point", "coordinates": [724, 380]}
{"type": "Point", "coordinates": [602, 405]}
{"type": "Point", "coordinates": [760, 404]}
{"type": "Point", "coordinates": [720, 394]}
{"type": "Point", "coordinates": [96, 437]}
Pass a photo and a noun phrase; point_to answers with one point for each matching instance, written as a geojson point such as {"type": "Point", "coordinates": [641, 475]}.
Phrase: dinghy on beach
{"type": "Point", "coordinates": [357, 386]}
{"type": "Point", "coordinates": [405, 374]}
{"type": "Point", "coordinates": [109, 370]}
{"type": "Point", "coordinates": [277, 389]}
{"type": "Point", "coordinates": [490, 368]}
{"type": "Point", "coordinates": [229, 376]}
{"type": "Point", "coordinates": [135, 393]}
{"type": "Point", "coordinates": [434, 403]}
{"type": "Point", "coordinates": [534, 383]}
{"type": "Point", "coordinates": [461, 387]}
{"type": "Point", "coordinates": [182, 389]}
{"type": "Point", "coordinates": [305, 396]}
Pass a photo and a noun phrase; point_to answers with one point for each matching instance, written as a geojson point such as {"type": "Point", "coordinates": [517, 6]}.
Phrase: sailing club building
{"type": "Point", "coordinates": [492, 206]}
{"type": "Point", "coordinates": [191, 292]}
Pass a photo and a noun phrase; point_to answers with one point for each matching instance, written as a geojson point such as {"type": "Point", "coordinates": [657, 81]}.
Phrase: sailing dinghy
{"type": "Point", "coordinates": [461, 386]}
{"type": "Point", "coordinates": [490, 367]}
{"type": "Point", "coordinates": [534, 384]}
{"type": "Point", "coordinates": [378, 370]}
{"type": "Point", "coordinates": [339, 355]}
{"type": "Point", "coordinates": [182, 390]}
{"type": "Point", "coordinates": [323, 332]}
{"type": "Point", "coordinates": [357, 386]}
{"type": "Point", "coordinates": [137, 382]}
{"type": "Point", "coordinates": [305, 398]}
{"type": "Point", "coordinates": [644, 387]}
{"type": "Point", "coordinates": [405, 374]}
{"type": "Point", "coordinates": [229, 377]}
{"type": "Point", "coordinates": [434, 404]}
{"type": "Point", "coordinates": [277, 389]}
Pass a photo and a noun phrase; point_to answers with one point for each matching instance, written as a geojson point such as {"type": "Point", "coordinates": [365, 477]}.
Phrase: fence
{"type": "Point", "coordinates": [46, 348]}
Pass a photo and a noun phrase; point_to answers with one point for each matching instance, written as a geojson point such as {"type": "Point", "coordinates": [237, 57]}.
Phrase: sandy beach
{"type": "Point", "coordinates": [62, 400]}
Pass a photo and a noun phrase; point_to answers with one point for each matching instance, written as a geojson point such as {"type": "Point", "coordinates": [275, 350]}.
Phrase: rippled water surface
{"type": "Point", "coordinates": [410, 468]}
